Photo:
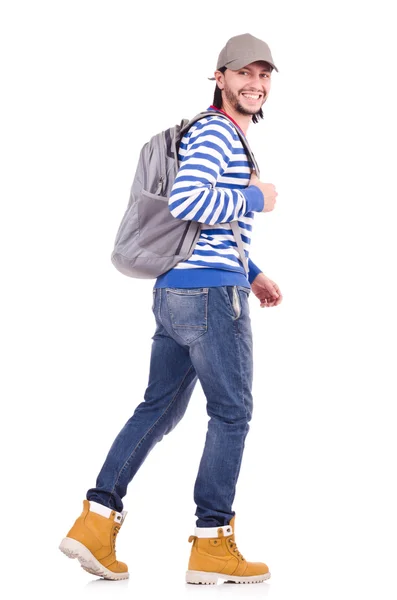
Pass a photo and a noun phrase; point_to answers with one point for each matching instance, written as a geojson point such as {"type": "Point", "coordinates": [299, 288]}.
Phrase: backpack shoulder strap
{"type": "Point", "coordinates": [211, 113]}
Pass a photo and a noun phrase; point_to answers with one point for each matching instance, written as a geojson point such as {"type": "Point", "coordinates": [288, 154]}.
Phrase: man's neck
{"type": "Point", "coordinates": [242, 121]}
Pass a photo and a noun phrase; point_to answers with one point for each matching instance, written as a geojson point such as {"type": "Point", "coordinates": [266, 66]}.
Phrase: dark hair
{"type": "Point", "coordinates": [217, 102]}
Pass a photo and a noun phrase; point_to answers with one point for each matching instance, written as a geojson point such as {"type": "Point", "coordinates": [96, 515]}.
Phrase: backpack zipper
{"type": "Point", "coordinates": [161, 163]}
{"type": "Point", "coordinates": [159, 190]}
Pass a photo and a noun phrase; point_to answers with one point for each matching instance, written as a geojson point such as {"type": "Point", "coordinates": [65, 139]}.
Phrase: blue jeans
{"type": "Point", "coordinates": [204, 334]}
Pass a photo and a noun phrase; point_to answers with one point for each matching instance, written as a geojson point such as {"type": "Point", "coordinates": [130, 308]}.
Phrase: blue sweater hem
{"type": "Point", "coordinates": [206, 277]}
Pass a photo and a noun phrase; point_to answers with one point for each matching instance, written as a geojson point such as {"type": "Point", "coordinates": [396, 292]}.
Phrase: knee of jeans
{"type": "Point", "coordinates": [172, 420]}
{"type": "Point", "coordinates": [170, 426]}
{"type": "Point", "coordinates": [231, 416]}
{"type": "Point", "coordinates": [248, 408]}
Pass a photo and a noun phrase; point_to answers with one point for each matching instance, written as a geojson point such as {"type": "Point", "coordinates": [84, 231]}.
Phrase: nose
{"type": "Point", "coordinates": [257, 82]}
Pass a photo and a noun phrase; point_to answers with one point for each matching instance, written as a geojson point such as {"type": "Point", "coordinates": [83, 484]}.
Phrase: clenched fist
{"type": "Point", "coordinates": [268, 190]}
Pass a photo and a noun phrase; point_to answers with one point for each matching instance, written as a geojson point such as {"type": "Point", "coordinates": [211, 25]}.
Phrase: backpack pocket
{"type": "Point", "coordinates": [159, 231]}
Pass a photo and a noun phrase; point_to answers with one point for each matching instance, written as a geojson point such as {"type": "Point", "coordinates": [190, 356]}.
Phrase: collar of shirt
{"type": "Point", "coordinates": [228, 116]}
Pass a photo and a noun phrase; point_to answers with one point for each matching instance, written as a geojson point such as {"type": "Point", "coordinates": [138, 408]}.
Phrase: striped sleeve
{"type": "Point", "coordinates": [206, 152]}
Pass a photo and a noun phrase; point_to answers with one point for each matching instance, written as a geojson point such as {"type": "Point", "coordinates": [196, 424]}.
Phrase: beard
{"type": "Point", "coordinates": [234, 101]}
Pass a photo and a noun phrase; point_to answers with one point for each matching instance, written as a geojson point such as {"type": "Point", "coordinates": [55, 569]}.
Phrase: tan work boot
{"type": "Point", "coordinates": [92, 540]}
{"type": "Point", "coordinates": [215, 556]}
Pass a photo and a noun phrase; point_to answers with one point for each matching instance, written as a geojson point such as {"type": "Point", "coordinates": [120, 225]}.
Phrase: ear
{"type": "Point", "coordinates": [220, 79]}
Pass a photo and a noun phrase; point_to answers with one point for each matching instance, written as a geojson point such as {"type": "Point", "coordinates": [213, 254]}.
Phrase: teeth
{"type": "Point", "coordinates": [254, 97]}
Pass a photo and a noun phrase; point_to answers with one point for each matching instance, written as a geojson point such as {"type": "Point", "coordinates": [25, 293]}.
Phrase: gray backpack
{"type": "Point", "coordinates": [150, 241]}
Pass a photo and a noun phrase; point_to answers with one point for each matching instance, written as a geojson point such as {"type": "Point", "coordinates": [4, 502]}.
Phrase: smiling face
{"type": "Point", "coordinates": [246, 90]}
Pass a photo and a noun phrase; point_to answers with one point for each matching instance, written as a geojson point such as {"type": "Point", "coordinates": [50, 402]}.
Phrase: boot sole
{"type": "Point", "coordinates": [208, 578]}
{"type": "Point", "coordinates": [74, 549]}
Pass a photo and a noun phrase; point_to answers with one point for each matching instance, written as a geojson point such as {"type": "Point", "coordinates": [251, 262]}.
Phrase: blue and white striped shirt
{"type": "Point", "coordinates": [211, 187]}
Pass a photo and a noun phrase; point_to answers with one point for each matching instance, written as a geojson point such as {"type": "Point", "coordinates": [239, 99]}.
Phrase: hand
{"type": "Point", "coordinates": [266, 290]}
{"type": "Point", "coordinates": [268, 190]}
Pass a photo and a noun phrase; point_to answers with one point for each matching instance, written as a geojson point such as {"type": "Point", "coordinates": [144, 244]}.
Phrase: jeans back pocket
{"type": "Point", "coordinates": [188, 310]}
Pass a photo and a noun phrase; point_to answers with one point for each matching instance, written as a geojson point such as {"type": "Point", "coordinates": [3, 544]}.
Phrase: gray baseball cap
{"type": "Point", "coordinates": [241, 50]}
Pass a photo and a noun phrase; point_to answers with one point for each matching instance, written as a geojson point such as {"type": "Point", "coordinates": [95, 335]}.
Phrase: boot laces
{"type": "Point", "coordinates": [233, 547]}
{"type": "Point", "coordinates": [115, 532]}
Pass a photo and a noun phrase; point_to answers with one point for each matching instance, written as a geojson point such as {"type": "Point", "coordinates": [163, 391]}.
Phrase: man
{"type": "Point", "coordinates": [203, 332]}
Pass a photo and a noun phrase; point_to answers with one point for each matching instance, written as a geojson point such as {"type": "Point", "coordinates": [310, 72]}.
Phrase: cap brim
{"type": "Point", "coordinates": [235, 65]}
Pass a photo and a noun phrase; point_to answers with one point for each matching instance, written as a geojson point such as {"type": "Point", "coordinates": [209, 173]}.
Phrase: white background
{"type": "Point", "coordinates": [84, 85]}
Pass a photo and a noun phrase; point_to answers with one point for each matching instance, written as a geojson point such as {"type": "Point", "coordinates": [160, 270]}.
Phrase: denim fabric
{"type": "Point", "coordinates": [204, 334]}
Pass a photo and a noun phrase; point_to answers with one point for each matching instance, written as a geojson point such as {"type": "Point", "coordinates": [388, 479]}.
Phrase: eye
{"type": "Point", "coordinates": [243, 72]}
